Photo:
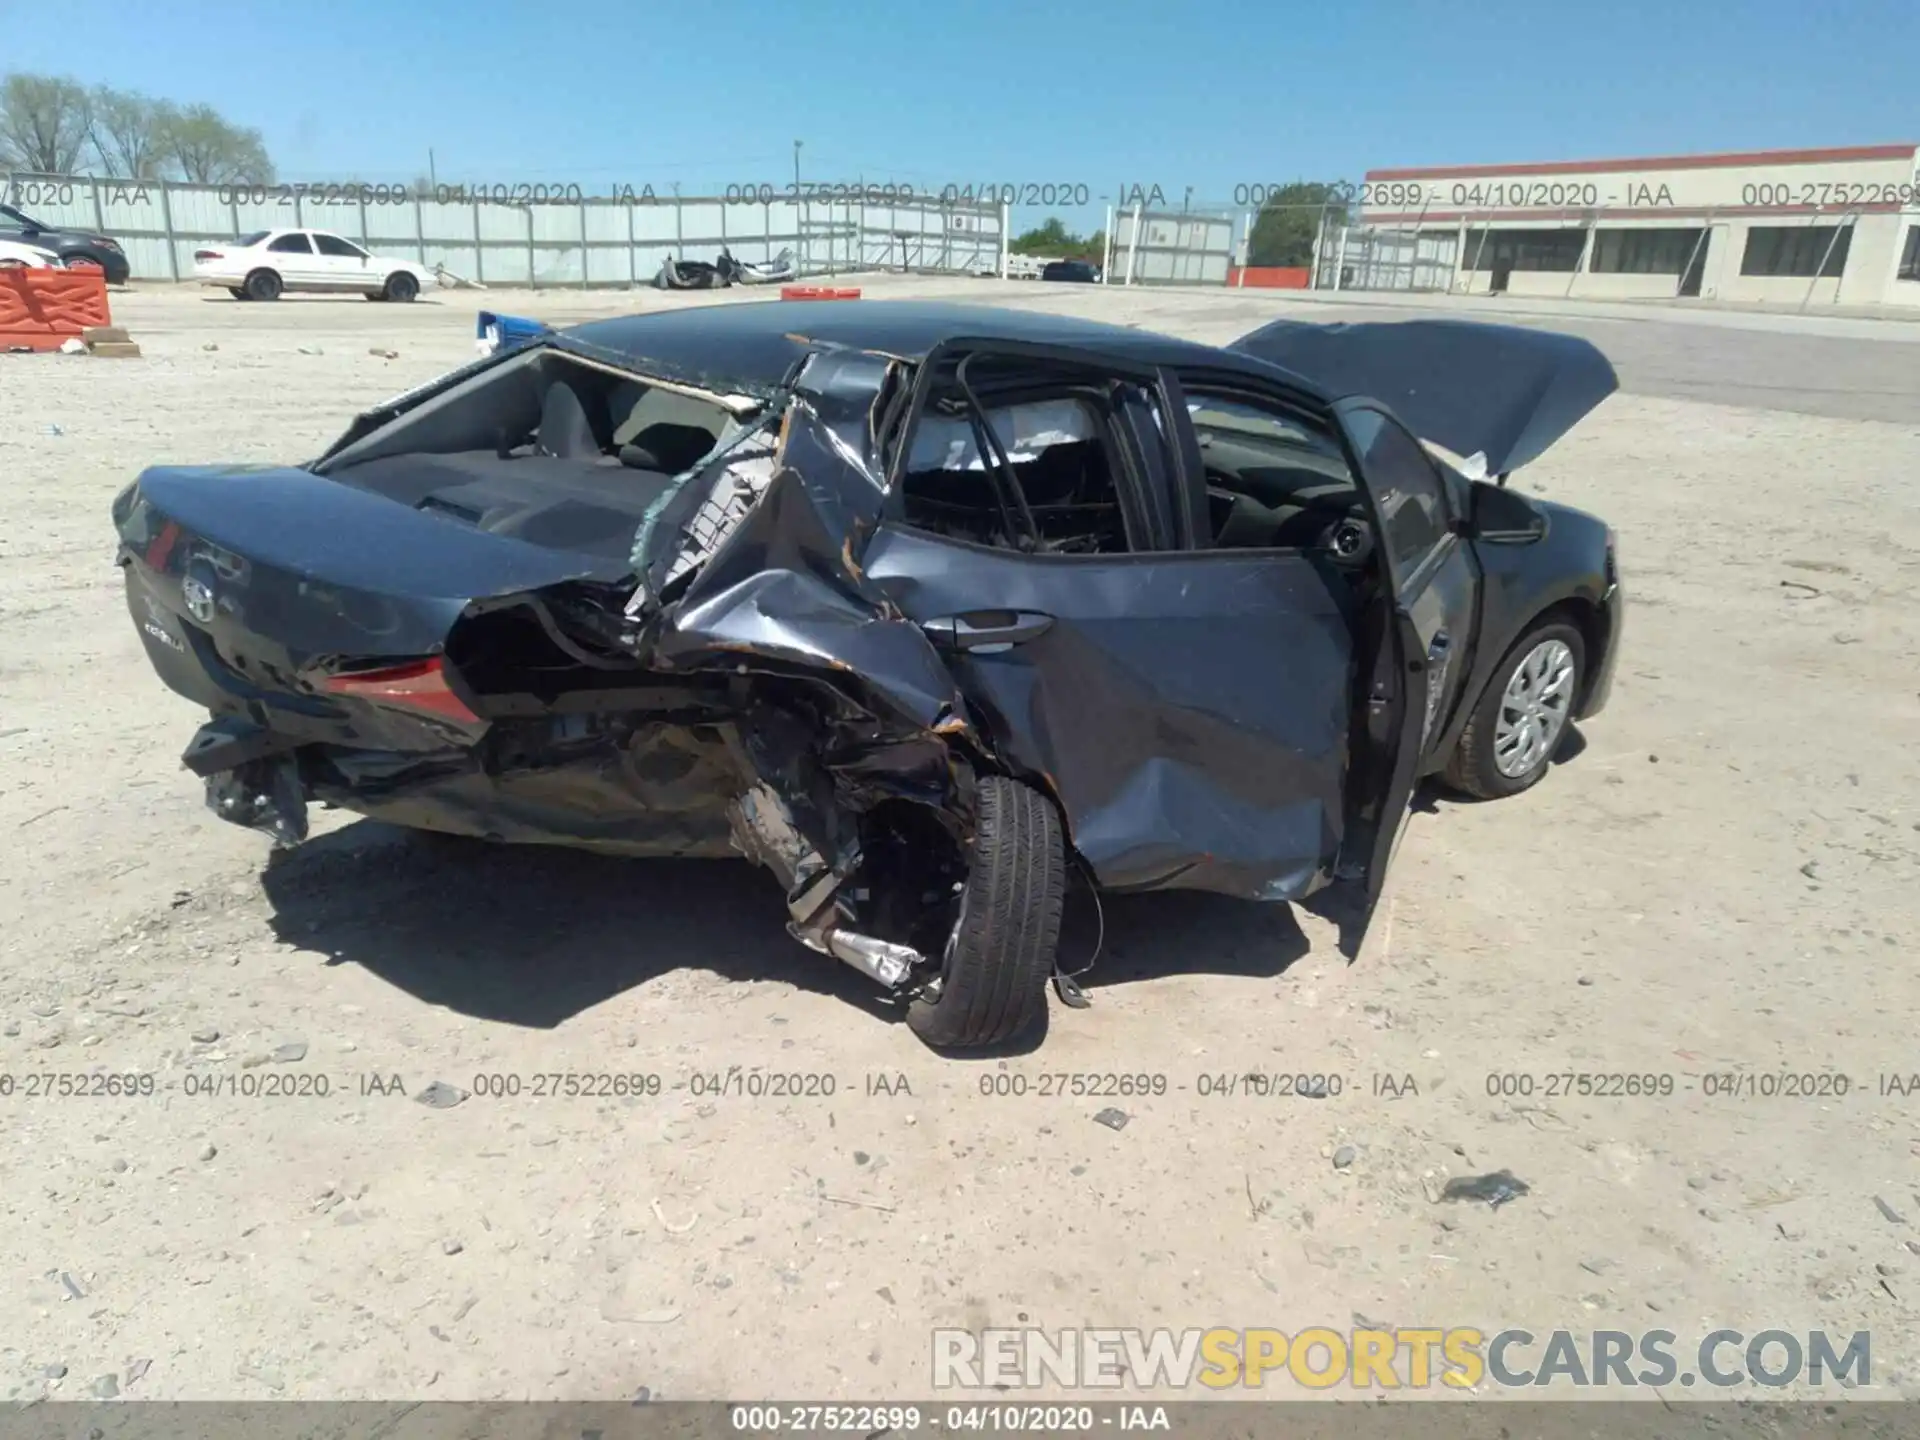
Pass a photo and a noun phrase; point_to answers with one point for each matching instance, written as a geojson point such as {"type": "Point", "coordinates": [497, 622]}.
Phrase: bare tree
{"type": "Point", "coordinates": [129, 132]}
{"type": "Point", "coordinates": [211, 151]}
{"type": "Point", "coordinates": [44, 122]}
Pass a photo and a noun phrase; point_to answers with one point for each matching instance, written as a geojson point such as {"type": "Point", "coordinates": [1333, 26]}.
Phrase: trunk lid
{"type": "Point", "coordinates": [250, 585]}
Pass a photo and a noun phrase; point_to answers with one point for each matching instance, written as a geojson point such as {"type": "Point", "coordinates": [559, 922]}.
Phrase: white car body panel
{"type": "Point", "coordinates": [33, 257]}
{"type": "Point", "coordinates": [304, 268]}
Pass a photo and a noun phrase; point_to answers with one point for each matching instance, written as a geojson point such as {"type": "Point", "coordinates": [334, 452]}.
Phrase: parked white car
{"type": "Point", "coordinates": [268, 263]}
{"type": "Point", "coordinates": [31, 257]}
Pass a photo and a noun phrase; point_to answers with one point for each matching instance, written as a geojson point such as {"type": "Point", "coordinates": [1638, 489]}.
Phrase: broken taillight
{"type": "Point", "coordinates": [209, 254]}
{"type": "Point", "coordinates": [417, 685]}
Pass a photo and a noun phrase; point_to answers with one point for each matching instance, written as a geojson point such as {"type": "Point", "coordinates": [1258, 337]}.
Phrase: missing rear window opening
{"type": "Point", "coordinates": [1033, 470]}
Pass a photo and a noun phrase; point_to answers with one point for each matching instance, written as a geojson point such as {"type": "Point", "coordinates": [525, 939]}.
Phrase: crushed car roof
{"type": "Point", "coordinates": [1505, 392]}
{"type": "Point", "coordinates": [756, 344]}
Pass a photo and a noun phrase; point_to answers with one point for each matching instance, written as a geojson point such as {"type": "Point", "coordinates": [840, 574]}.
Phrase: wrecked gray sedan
{"type": "Point", "coordinates": [921, 607]}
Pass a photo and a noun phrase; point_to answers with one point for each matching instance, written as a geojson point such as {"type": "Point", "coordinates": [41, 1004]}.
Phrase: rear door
{"type": "Point", "coordinates": [1190, 710]}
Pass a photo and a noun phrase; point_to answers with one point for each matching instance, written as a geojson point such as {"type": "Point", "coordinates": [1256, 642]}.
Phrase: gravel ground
{"type": "Point", "coordinates": [1723, 880]}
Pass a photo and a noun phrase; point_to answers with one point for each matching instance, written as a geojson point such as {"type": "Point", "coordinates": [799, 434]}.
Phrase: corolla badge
{"type": "Point", "coordinates": [199, 597]}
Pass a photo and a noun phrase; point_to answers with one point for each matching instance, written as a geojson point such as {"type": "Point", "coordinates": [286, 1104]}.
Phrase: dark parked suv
{"type": "Point", "coordinates": [1078, 271]}
{"type": "Point", "coordinates": [69, 245]}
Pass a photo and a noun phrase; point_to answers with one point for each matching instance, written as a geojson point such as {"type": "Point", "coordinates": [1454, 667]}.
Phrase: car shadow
{"type": "Point", "coordinates": [1113, 940]}
{"type": "Point", "coordinates": [532, 936]}
{"type": "Point", "coordinates": [1176, 932]}
{"type": "Point", "coordinates": [1350, 918]}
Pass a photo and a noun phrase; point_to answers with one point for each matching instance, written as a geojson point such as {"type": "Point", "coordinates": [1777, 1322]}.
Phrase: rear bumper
{"type": "Point", "coordinates": [115, 263]}
{"type": "Point", "coordinates": [658, 791]}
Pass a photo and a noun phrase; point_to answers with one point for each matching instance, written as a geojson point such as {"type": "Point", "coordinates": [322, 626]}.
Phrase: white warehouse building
{"type": "Point", "coordinates": [1837, 226]}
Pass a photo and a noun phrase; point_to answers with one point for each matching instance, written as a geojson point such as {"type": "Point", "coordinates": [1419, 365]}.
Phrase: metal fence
{"type": "Point", "coordinates": [1170, 247]}
{"type": "Point", "coordinates": [577, 241]}
{"type": "Point", "coordinates": [1365, 257]}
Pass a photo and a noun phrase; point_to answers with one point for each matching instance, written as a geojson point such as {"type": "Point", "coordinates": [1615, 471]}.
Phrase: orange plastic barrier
{"type": "Point", "coordinates": [1269, 277]}
{"type": "Point", "coordinates": [816, 292]}
{"type": "Point", "coordinates": [41, 308]}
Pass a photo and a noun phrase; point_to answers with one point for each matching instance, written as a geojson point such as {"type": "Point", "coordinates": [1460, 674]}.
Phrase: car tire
{"type": "Point", "coordinates": [1475, 767]}
{"type": "Point", "coordinates": [401, 287]}
{"type": "Point", "coordinates": [263, 284]}
{"type": "Point", "coordinates": [238, 292]}
{"type": "Point", "coordinates": [993, 978]}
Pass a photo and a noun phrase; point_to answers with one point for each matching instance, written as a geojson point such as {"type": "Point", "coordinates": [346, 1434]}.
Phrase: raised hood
{"type": "Point", "coordinates": [1498, 390]}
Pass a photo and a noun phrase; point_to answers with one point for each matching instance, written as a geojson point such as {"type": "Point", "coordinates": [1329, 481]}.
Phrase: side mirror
{"type": "Point", "coordinates": [1504, 517]}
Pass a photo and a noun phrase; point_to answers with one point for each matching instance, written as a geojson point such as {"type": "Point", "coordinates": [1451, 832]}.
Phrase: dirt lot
{"type": "Point", "coordinates": [1722, 880]}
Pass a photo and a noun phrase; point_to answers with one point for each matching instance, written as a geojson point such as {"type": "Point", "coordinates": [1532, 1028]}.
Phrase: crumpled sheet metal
{"type": "Point", "coordinates": [796, 621]}
{"type": "Point", "coordinates": [783, 587]}
{"type": "Point", "coordinates": [1185, 754]}
{"type": "Point", "coordinates": [779, 591]}
{"type": "Point", "coordinates": [1163, 784]}
{"type": "Point", "coordinates": [1142, 837]}
{"type": "Point", "coordinates": [1160, 794]}
{"type": "Point", "coordinates": [658, 792]}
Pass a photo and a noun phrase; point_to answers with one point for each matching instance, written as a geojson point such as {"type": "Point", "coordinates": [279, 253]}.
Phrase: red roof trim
{"type": "Point", "coordinates": [1724, 160]}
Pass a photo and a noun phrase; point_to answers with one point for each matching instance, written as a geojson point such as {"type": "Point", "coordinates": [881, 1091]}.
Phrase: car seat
{"type": "Point", "coordinates": [566, 430]}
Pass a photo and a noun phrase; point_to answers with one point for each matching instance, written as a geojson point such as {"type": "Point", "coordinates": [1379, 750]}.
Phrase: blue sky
{"type": "Point", "coordinates": [1150, 92]}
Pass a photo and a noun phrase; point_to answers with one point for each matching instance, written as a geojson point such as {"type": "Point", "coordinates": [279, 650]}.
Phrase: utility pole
{"type": "Point", "coordinates": [799, 210]}
{"type": "Point", "coordinates": [433, 179]}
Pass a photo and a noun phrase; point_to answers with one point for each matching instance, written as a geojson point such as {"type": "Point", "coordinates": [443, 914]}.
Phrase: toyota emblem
{"type": "Point", "coordinates": [199, 597]}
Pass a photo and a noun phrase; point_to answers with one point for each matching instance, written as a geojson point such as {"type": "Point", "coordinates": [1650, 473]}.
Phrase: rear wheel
{"type": "Point", "coordinates": [1519, 722]}
{"type": "Point", "coordinates": [401, 287]}
{"type": "Point", "coordinates": [993, 978]}
{"type": "Point", "coordinates": [263, 285]}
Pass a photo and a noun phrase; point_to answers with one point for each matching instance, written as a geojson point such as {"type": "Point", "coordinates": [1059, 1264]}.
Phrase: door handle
{"type": "Point", "coordinates": [987, 632]}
